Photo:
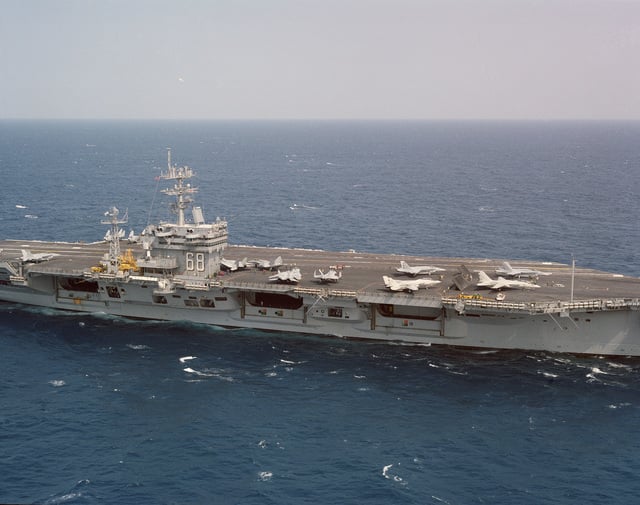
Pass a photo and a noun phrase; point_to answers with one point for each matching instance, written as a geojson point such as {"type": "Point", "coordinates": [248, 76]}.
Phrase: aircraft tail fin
{"type": "Point", "coordinates": [483, 278]}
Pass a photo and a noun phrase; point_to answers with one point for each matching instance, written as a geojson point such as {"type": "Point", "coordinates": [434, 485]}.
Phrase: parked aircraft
{"type": "Point", "coordinates": [484, 281]}
{"type": "Point", "coordinates": [233, 265]}
{"type": "Point", "coordinates": [268, 265]}
{"type": "Point", "coordinates": [405, 268]}
{"type": "Point", "coordinates": [509, 271]}
{"type": "Point", "coordinates": [397, 285]}
{"type": "Point", "coordinates": [331, 276]}
{"type": "Point", "coordinates": [133, 238]}
{"type": "Point", "coordinates": [29, 257]}
{"type": "Point", "coordinates": [108, 236]}
{"type": "Point", "coordinates": [293, 276]}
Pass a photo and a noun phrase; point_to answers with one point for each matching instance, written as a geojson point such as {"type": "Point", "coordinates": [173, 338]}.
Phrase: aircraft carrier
{"type": "Point", "coordinates": [186, 270]}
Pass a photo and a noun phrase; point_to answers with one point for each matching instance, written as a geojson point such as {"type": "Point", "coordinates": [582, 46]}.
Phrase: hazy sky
{"type": "Point", "coordinates": [432, 59]}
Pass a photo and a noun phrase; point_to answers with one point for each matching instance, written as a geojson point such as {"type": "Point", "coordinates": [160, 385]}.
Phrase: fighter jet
{"type": "Point", "coordinates": [331, 276]}
{"type": "Point", "coordinates": [292, 276]}
{"type": "Point", "coordinates": [396, 285]}
{"type": "Point", "coordinates": [233, 265]}
{"type": "Point", "coordinates": [509, 271]}
{"type": "Point", "coordinates": [109, 236]}
{"type": "Point", "coordinates": [484, 281]}
{"type": "Point", "coordinates": [29, 257]}
{"type": "Point", "coordinates": [268, 265]}
{"type": "Point", "coordinates": [133, 238]}
{"type": "Point", "coordinates": [405, 268]}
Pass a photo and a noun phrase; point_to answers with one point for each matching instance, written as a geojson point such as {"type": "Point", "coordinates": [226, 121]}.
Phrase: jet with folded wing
{"type": "Point", "coordinates": [268, 265]}
{"type": "Point", "coordinates": [484, 281]}
{"type": "Point", "coordinates": [291, 276]}
{"type": "Point", "coordinates": [509, 271]}
{"type": "Point", "coordinates": [233, 265]}
{"type": "Point", "coordinates": [29, 257]}
{"type": "Point", "coordinates": [330, 276]}
{"type": "Point", "coordinates": [414, 285]}
{"type": "Point", "coordinates": [405, 268]}
{"type": "Point", "coordinates": [133, 238]}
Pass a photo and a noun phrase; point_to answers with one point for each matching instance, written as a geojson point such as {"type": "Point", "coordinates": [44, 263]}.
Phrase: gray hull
{"type": "Point", "coordinates": [610, 331]}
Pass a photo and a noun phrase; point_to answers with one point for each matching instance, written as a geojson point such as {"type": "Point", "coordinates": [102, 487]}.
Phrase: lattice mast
{"type": "Point", "coordinates": [179, 190]}
{"type": "Point", "coordinates": [113, 236]}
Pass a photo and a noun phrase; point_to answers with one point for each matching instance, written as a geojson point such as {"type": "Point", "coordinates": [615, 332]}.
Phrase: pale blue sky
{"type": "Point", "coordinates": [219, 59]}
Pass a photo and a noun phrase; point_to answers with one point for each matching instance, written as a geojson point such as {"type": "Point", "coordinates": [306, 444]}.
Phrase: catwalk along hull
{"type": "Point", "coordinates": [176, 271]}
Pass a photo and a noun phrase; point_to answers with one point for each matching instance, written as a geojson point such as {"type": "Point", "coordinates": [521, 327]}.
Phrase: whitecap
{"type": "Point", "coordinates": [30, 216]}
{"type": "Point", "coordinates": [264, 476]}
{"type": "Point", "coordinates": [64, 498]}
{"type": "Point", "coordinates": [57, 383]}
{"type": "Point", "coordinates": [389, 476]}
{"type": "Point", "coordinates": [209, 373]}
{"type": "Point", "coordinates": [138, 347]}
{"type": "Point", "coordinates": [613, 364]}
{"type": "Point", "coordinates": [619, 405]}
{"type": "Point", "coordinates": [187, 358]}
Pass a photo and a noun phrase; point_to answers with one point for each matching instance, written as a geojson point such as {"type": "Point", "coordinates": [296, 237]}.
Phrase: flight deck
{"type": "Point", "coordinates": [361, 272]}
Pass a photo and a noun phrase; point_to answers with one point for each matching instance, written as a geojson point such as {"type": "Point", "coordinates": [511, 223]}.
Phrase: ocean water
{"type": "Point", "coordinates": [97, 409]}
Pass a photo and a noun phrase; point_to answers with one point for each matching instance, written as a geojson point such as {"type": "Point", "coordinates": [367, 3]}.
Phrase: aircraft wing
{"type": "Point", "coordinates": [229, 264]}
{"type": "Point", "coordinates": [331, 275]}
{"type": "Point", "coordinates": [292, 275]}
{"type": "Point", "coordinates": [502, 283]}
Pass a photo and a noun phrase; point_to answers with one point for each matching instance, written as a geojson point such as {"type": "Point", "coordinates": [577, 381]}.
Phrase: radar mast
{"type": "Point", "coordinates": [179, 190]}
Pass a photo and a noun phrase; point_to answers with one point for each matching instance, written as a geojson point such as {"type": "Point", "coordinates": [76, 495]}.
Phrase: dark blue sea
{"type": "Point", "coordinates": [95, 409]}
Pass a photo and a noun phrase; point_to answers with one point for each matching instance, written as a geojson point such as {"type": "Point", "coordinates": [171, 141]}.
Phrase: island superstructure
{"type": "Point", "coordinates": [186, 270]}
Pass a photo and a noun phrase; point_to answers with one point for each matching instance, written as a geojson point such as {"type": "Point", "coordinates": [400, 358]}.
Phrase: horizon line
{"type": "Point", "coordinates": [315, 119]}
